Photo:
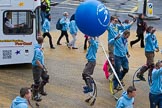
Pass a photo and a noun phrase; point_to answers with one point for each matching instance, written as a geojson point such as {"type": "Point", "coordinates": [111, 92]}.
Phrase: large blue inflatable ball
{"type": "Point", "coordinates": [92, 18]}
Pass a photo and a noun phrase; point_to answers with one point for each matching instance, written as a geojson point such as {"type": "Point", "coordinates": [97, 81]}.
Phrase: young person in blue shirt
{"type": "Point", "coordinates": [73, 32]}
{"type": "Point", "coordinates": [120, 56]}
{"type": "Point", "coordinates": [114, 28]}
{"type": "Point", "coordinates": [40, 75]}
{"type": "Point", "coordinates": [151, 45]}
{"type": "Point", "coordinates": [127, 98]}
{"type": "Point", "coordinates": [89, 67]}
{"type": "Point", "coordinates": [65, 26]}
{"type": "Point", "coordinates": [155, 95]}
{"type": "Point", "coordinates": [22, 101]}
{"type": "Point", "coordinates": [46, 29]}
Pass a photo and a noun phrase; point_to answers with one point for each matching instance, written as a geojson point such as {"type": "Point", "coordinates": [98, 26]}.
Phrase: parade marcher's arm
{"type": "Point", "coordinates": [93, 42]}
{"type": "Point", "coordinates": [120, 25]}
{"type": "Point", "coordinates": [39, 64]}
{"type": "Point", "coordinates": [117, 37]}
{"type": "Point", "coordinates": [44, 27]}
{"type": "Point", "coordinates": [157, 73]}
{"type": "Point", "coordinates": [120, 104]}
{"type": "Point", "coordinates": [128, 55]}
{"type": "Point", "coordinates": [112, 41]}
{"type": "Point", "coordinates": [134, 19]}
{"type": "Point", "coordinates": [156, 45]}
{"type": "Point", "coordinates": [132, 22]}
{"type": "Point", "coordinates": [139, 23]}
{"type": "Point", "coordinates": [38, 58]}
{"type": "Point", "coordinates": [63, 20]}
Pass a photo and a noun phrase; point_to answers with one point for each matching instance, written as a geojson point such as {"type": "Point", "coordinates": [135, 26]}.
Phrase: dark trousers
{"type": "Point", "coordinates": [155, 100]}
{"type": "Point", "coordinates": [88, 71]}
{"type": "Point", "coordinates": [85, 43]}
{"type": "Point", "coordinates": [62, 34]}
{"type": "Point", "coordinates": [39, 75]}
{"type": "Point", "coordinates": [120, 62]}
{"type": "Point", "coordinates": [139, 37]}
{"type": "Point", "coordinates": [50, 38]}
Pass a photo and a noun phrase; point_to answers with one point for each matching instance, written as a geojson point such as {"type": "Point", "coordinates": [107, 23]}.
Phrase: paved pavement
{"type": "Point", "coordinates": [65, 67]}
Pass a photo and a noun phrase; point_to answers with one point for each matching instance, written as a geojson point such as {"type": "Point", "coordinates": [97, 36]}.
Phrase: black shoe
{"type": "Point", "coordinates": [37, 98]}
{"type": "Point", "coordinates": [131, 44]}
{"type": "Point", "coordinates": [74, 48]}
{"type": "Point", "coordinates": [69, 46]}
{"type": "Point", "coordinates": [141, 77]}
{"type": "Point", "coordinates": [118, 88]}
{"type": "Point", "coordinates": [85, 47]}
{"type": "Point", "coordinates": [52, 47]}
{"type": "Point", "coordinates": [43, 93]}
{"type": "Point", "coordinates": [122, 82]}
{"type": "Point", "coordinates": [59, 44]}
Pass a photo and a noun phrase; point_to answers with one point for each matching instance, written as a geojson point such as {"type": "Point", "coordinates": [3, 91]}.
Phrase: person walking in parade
{"type": "Point", "coordinates": [46, 29]}
{"type": "Point", "coordinates": [22, 101]}
{"type": "Point", "coordinates": [89, 67]}
{"type": "Point", "coordinates": [155, 95]}
{"type": "Point", "coordinates": [115, 27]}
{"type": "Point", "coordinates": [120, 56]}
{"type": "Point", "coordinates": [150, 47]}
{"type": "Point", "coordinates": [40, 75]}
{"type": "Point", "coordinates": [127, 98]}
{"type": "Point", "coordinates": [141, 27]}
{"type": "Point", "coordinates": [65, 26]}
{"type": "Point", "coordinates": [73, 32]}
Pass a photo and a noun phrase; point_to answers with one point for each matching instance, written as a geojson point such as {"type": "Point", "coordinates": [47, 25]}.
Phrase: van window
{"type": "Point", "coordinates": [17, 22]}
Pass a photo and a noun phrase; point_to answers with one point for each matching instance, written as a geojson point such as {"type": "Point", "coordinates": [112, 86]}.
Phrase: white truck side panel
{"type": "Point", "coordinates": [15, 49]}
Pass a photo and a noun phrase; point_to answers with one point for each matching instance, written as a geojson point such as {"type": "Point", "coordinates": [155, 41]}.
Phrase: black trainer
{"type": "Point", "coordinates": [122, 82]}
{"type": "Point", "coordinates": [52, 47]}
{"type": "Point", "coordinates": [141, 77]}
{"type": "Point", "coordinates": [118, 88]}
{"type": "Point", "coordinates": [37, 98]}
{"type": "Point", "coordinates": [43, 93]}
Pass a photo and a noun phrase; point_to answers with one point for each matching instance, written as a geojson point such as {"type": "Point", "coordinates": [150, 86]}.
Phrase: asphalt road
{"type": "Point", "coordinates": [115, 7]}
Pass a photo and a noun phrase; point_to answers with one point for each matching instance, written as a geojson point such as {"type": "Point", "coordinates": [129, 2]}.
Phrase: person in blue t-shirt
{"type": "Point", "coordinates": [151, 46]}
{"type": "Point", "coordinates": [46, 29]}
{"type": "Point", "coordinates": [127, 98]}
{"type": "Point", "coordinates": [155, 95]}
{"type": "Point", "coordinates": [89, 67]}
{"type": "Point", "coordinates": [115, 27]}
{"type": "Point", "coordinates": [22, 101]}
{"type": "Point", "coordinates": [40, 75]}
{"type": "Point", "coordinates": [65, 26]}
{"type": "Point", "coordinates": [120, 56]}
{"type": "Point", "coordinates": [73, 32]}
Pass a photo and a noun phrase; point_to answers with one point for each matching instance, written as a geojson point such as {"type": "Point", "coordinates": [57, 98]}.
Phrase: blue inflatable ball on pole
{"type": "Point", "coordinates": [92, 18]}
